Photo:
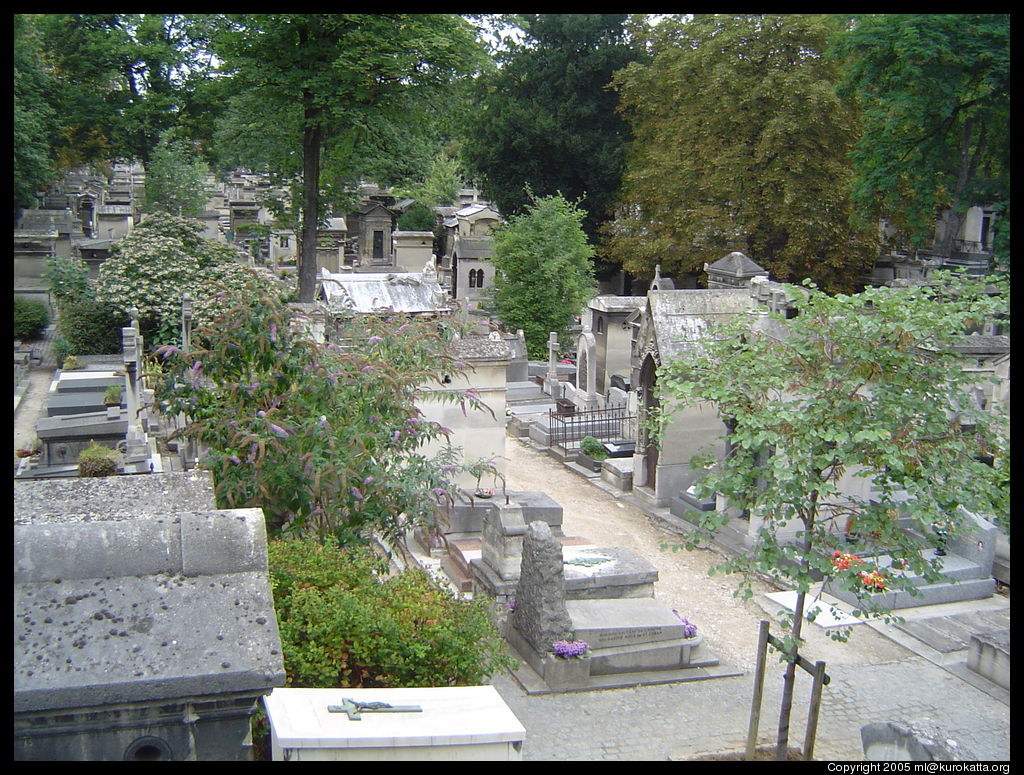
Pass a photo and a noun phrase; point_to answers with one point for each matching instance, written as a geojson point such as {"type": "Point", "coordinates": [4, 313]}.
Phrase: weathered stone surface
{"type": "Point", "coordinates": [140, 614]}
{"type": "Point", "coordinates": [540, 615]}
{"type": "Point", "coordinates": [918, 741]}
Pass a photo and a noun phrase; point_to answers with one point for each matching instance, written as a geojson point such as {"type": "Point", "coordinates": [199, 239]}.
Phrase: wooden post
{"type": "Point", "coordinates": [755, 705]}
{"type": "Point", "coordinates": [812, 712]}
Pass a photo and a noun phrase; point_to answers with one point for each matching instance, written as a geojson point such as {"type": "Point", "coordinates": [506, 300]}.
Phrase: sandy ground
{"type": "Point", "coordinates": [30, 409]}
{"type": "Point", "coordinates": [729, 625]}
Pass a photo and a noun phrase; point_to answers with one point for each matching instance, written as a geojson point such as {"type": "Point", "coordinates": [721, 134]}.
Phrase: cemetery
{"type": "Point", "coordinates": [148, 624]}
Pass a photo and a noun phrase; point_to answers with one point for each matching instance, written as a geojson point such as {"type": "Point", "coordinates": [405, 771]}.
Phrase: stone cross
{"type": "Point", "coordinates": [553, 356]}
{"type": "Point", "coordinates": [131, 346]}
{"type": "Point", "coordinates": [540, 615]}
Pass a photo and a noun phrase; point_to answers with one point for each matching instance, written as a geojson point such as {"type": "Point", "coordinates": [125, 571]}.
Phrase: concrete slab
{"type": "Point", "coordinates": [829, 612]}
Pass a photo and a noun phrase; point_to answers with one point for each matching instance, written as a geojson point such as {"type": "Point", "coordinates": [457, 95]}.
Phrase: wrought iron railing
{"type": "Point", "coordinates": [611, 424]}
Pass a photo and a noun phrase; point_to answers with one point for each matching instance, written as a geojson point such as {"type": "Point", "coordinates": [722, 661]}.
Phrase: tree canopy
{"type": "Point", "coordinates": [740, 143]}
{"type": "Point", "coordinates": [545, 121]}
{"type": "Point", "coordinates": [325, 84]}
{"type": "Point", "coordinates": [859, 408]}
{"type": "Point", "coordinates": [934, 98]}
{"type": "Point", "coordinates": [543, 275]}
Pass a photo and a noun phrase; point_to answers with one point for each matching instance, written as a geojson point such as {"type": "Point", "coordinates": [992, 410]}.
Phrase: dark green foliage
{"type": "Point", "coordinates": [934, 98]}
{"type": "Point", "coordinates": [343, 625]}
{"type": "Point", "coordinates": [30, 318]}
{"type": "Point", "coordinates": [419, 217]}
{"type": "Point", "coordinates": [89, 327]}
{"type": "Point", "coordinates": [546, 120]}
{"type": "Point", "coordinates": [97, 460]}
{"type": "Point", "coordinates": [740, 144]}
{"type": "Point", "coordinates": [594, 448]}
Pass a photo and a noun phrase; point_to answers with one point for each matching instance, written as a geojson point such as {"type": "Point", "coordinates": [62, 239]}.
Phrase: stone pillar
{"type": "Point", "coordinates": [551, 386]}
{"type": "Point", "coordinates": [540, 616]}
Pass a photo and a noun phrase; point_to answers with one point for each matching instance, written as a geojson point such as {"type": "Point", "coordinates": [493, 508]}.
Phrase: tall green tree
{"type": "Point", "coordinates": [175, 179]}
{"type": "Point", "coordinates": [934, 97]}
{"type": "Point", "coordinates": [862, 387]}
{"type": "Point", "coordinates": [546, 121]}
{"type": "Point", "coordinates": [123, 79]}
{"type": "Point", "coordinates": [740, 143]}
{"type": "Point", "coordinates": [33, 116]}
{"type": "Point", "coordinates": [543, 274]}
{"type": "Point", "coordinates": [330, 85]}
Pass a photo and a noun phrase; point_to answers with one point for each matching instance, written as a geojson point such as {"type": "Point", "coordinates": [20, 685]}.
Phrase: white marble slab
{"type": "Point", "coordinates": [457, 715]}
{"type": "Point", "coordinates": [829, 614]}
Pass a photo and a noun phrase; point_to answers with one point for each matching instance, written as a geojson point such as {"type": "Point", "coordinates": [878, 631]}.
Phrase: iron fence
{"type": "Point", "coordinates": [612, 424]}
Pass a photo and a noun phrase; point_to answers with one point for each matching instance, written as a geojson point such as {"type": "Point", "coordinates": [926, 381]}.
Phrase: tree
{"type": "Point", "coordinates": [176, 179]}
{"type": "Point", "coordinates": [33, 116]}
{"type": "Point", "coordinates": [740, 144]}
{"type": "Point", "coordinates": [164, 258]}
{"type": "Point", "coordinates": [934, 95]}
{"type": "Point", "coordinates": [122, 80]}
{"type": "Point", "coordinates": [546, 121]}
{"type": "Point", "coordinates": [543, 275]}
{"type": "Point", "coordinates": [865, 387]}
{"type": "Point", "coordinates": [326, 439]}
{"type": "Point", "coordinates": [331, 80]}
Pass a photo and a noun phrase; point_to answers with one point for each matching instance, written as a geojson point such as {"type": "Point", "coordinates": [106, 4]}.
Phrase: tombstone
{"type": "Point", "coordinates": [586, 370]}
{"type": "Point", "coordinates": [551, 381]}
{"type": "Point", "coordinates": [540, 615]}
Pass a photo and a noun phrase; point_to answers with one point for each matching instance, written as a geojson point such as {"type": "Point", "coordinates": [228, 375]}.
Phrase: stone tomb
{"type": "Point", "coordinates": [631, 641]}
{"type": "Point", "coordinates": [588, 572]}
{"type": "Point", "coordinates": [144, 625]}
{"type": "Point", "coordinates": [456, 723]}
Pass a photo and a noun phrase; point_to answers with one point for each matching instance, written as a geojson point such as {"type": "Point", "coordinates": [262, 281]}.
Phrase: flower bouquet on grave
{"type": "Point", "coordinates": [874, 581]}
{"type": "Point", "coordinates": [570, 649]}
{"type": "Point", "coordinates": [689, 629]}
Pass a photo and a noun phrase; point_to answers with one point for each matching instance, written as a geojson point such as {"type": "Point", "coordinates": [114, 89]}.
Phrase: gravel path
{"type": "Point", "coordinates": [729, 625]}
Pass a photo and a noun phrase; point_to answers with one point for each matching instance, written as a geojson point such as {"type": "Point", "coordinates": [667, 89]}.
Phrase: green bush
{"type": "Point", "coordinates": [97, 460]}
{"type": "Point", "coordinates": [592, 447]}
{"type": "Point", "coordinates": [30, 318]}
{"type": "Point", "coordinates": [89, 327]}
{"type": "Point", "coordinates": [342, 625]}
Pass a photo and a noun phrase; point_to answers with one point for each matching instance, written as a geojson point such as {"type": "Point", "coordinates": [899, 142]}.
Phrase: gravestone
{"type": "Point", "coordinates": [540, 615]}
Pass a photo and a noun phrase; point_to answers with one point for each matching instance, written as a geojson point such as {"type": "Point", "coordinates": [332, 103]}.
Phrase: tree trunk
{"type": "Point", "coordinates": [312, 138]}
{"type": "Point", "coordinates": [789, 679]}
{"type": "Point", "coordinates": [788, 684]}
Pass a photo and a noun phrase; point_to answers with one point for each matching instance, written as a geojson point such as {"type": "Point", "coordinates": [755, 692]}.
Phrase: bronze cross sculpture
{"type": "Point", "coordinates": [354, 708]}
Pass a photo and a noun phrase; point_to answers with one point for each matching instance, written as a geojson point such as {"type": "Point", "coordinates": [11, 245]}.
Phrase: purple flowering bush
{"type": "Point", "coordinates": [325, 438]}
{"type": "Point", "coordinates": [569, 649]}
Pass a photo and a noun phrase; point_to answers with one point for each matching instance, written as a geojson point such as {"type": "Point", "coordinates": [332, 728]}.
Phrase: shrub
{"type": "Point", "coordinates": [592, 447]}
{"type": "Point", "coordinates": [90, 327]}
{"type": "Point", "coordinates": [342, 625]}
{"type": "Point", "coordinates": [30, 318]}
{"type": "Point", "coordinates": [112, 395]}
{"type": "Point", "coordinates": [97, 460]}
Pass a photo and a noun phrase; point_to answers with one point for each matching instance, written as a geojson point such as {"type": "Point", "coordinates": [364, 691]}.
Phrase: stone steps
{"type": "Point", "coordinates": [968, 580]}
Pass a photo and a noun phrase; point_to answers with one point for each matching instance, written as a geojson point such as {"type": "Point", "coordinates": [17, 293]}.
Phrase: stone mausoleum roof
{"type": "Point", "coordinates": [135, 589]}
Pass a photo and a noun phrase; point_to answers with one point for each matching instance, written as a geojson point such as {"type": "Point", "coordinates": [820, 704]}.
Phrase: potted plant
{"type": "Point", "coordinates": [591, 453]}
{"type": "Point", "coordinates": [112, 395]}
{"type": "Point", "coordinates": [568, 666]}
{"type": "Point", "coordinates": [478, 469]}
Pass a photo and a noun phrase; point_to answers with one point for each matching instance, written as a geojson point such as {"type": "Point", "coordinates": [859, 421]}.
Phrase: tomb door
{"type": "Point", "coordinates": [648, 404]}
